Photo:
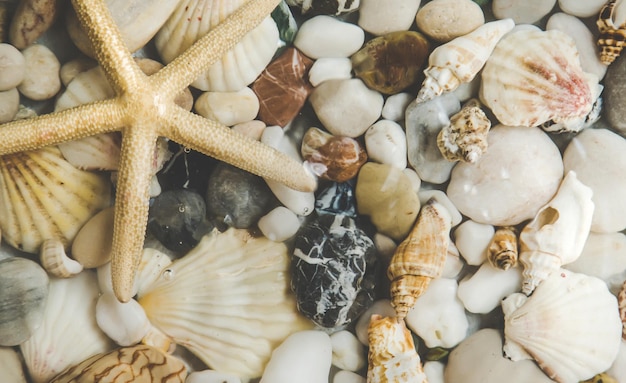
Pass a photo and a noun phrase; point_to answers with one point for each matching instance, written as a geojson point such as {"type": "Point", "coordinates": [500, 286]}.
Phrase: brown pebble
{"type": "Point", "coordinates": [92, 245]}
{"type": "Point", "coordinates": [339, 158]}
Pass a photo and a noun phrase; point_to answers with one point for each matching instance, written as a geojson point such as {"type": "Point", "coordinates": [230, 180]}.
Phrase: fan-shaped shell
{"type": "Point", "coordinates": [236, 69]}
{"type": "Point", "coordinates": [42, 196]}
{"type": "Point", "coordinates": [226, 301]}
{"type": "Point", "coordinates": [570, 326]}
{"type": "Point", "coordinates": [533, 77]}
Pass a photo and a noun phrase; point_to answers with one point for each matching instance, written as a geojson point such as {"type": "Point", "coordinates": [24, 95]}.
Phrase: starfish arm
{"type": "Point", "coordinates": [218, 141]}
{"type": "Point", "coordinates": [196, 60]}
{"type": "Point", "coordinates": [50, 129]}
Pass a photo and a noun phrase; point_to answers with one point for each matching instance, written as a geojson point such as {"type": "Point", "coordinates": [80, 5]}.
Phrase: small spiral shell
{"type": "Point", "coordinates": [621, 301]}
{"type": "Point", "coordinates": [503, 249]}
{"type": "Point", "coordinates": [612, 36]}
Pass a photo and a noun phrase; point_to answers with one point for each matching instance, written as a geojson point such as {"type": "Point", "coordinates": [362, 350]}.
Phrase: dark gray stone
{"type": "Point", "coordinates": [615, 94]}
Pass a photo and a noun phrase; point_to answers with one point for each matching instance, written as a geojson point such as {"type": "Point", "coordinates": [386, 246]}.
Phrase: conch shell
{"type": "Point", "coordinates": [392, 356]}
{"type": "Point", "coordinates": [459, 60]}
{"type": "Point", "coordinates": [502, 250]}
{"type": "Point", "coordinates": [558, 232]}
{"type": "Point", "coordinates": [465, 138]}
{"type": "Point", "coordinates": [612, 26]}
{"type": "Point", "coordinates": [420, 257]}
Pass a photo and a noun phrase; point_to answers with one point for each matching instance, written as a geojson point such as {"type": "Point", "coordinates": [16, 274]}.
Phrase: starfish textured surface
{"type": "Point", "coordinates": [143, 110]}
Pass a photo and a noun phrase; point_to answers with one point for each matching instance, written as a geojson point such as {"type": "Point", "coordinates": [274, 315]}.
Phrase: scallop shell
{"type": "Point", "coordinates": [534, 77]}
{"type": "Point", "coordinates": [612, 27]}
{"type": "Point", "coordinates": [392, 356]}
{"type": "Point", "coordinates": [56, 262]}
{"type": "Point", "coordinates": [69, 332]}
{"type": "Point", "coordinates": [465, 138]}
{"type": "Point", "coordinates": [226, 301]}
{"type": "Point", "coordinates": [557, 234]}
{"type": "Point", "coordinates": [621, 300]}
{"type": "Point", "coordinates": [459, 60]}
{"type": "Point", "coordinates": [42, 196]}
{"type": "Point", "coordinates": [570, 326]}
{"type": "Point", "coordinates": [502, 250]}
{"type": "Point", "coordinates": [240, 66]}
{"type": "Point", "coordinates": [420, 257]}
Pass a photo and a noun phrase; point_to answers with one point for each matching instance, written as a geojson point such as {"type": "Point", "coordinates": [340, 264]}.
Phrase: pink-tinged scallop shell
{"type": "Point", "coordinates": [534, 77]}
{"type": "Point", "coordinates": [612, 27]}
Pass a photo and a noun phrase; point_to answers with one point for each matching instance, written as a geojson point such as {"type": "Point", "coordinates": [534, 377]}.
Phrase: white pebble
{"type": "Point", "coordinates": [618, 369]}
{"type": "Point", "coordinates": [348, 377]}
{"type": "Point", "coordinates": [228, 108]}
{"type": "Point", "coordinates": [434, 371]}
{"type": "Point", "coordinates": [483, 291]}
{"type": "Point", "coordinates": [304, 357]}
{"type": "Point", "coordinates": [580, 8]}
{"type": "Point", "coordinates": [11, 370]}
{"type": "Point", "coordinates": [382, 17]}
{"type": "Point", "coordinates": [252, 129]}
{"type": "Point", "coordinates": [381, 307]}
{"type": "Point", "coordinates": [72, 68]}
{"type": "Point", "coordinates": [386, 143]}
{"type": "Point", "coordinates": [395, 105]}
{"type": "Point", "coordinates": [454, 264]}
{"type": "Point", "coordinates": [279, 224]}
{"type": "Point", "coordinates": [442, 198]}
{"type": "Point", "coordinates": [330, 68]}
{"type": "Point", "coordinates": [9, 104]}
{"type": "Point", "coordinates": [211, 376]}
{"type": "Point", "coordinates": [12, 69]}
{"type": "Point", "coordinates": [603, 256]}
{"type": "Point", "coordinates": [438, 316]}
{"type": "Point", "coordinates": [416, 182]}
{"type": "Point", "coordinates": [522, 12]}
{"type": "Point", "coordinates": [445, 20]}
{"type": "Point", "coordinates": [125, 323]}
{"type": "Point", "coordinates": [41, 79]}
{"type": "Point", "coordinates": [467, 90]}
{"type": "Point", "coordinates": [348, 353]}
{"type": "Point", "coordinates": [325, 36]}
{"type": "Point", "coordinates": [104, 278]}
{"type": "Point", "coordinates": [472, 240]}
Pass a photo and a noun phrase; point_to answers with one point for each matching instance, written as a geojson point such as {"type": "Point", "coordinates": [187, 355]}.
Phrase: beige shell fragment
{"type": "Point", "coordinates": [502, 251]}
{"type": "Point", "coordinates": [56, 262]}
{"type": "Point", "coordinates": [612, 27]}
{"type": "Point", "coordinates": [621, 300]}
{"type": "Point", "coordinates": [465, 138]}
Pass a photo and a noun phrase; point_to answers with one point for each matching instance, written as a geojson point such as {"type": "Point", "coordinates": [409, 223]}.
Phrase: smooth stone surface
{"type": "Point", "coordinates": [395, 105]}
{"type": "Point", "coordinates": [11, 370]}
{"type": "Point", "coordinates": [348, 353]}
{"type": "Point", "coordinates": [386, 143]}
{"type": "Point", "coordinates": [423, 123]}
{"type": "Point", "coordinates": [125, 323]}
{"type": "Point", "coordinates": [472, 239]}
{"type": "Point", "coordinates": [211, 376]}
{"type": "Point", "coordinates": [381, 17]}
{"type": "Point", "coordinates": [509, 183]}
{"type": "Point", "coordinates": [330, 68]}
{"type": "Point", "coordinates": [442, 198]}
{"type": "Point", "coordinates": [92, 244]}
{"type": "Point", "coordinates": [325, 36]}
{"type": "Point", "coordinates": [9, 104]}
{"type": "Point", "coordinates": [485, 289]}
{"type": "Point", "coordinates": [74, 67]}
{"type": "Point", "coordinates": [348, 377]}
{"type": "Point", "coordinates": [23, 296]}
{"type": "Point", "coordinates": [522, 12]}
{"type": "Point", "coordinates": [603, 256]}
{"type": "Point", "coordinates": [337, 198]}
{"type": "Point", "coordinates": [381, 307]}
{"type": "Point", "coordinates": [12, 67]}
{"type": "Point", "coordinates": [346, 107]}
{"type": "Point", "coordinates": [454, 264]}
{"type": "Point", "coordinates": [415, 180]}
{"type": "Point", "coordinates": [286, 23]}
{"type": "Point", "coordinates": [444, 20]}
{"type": "Point", "coordinates": [253, 129]}
{"type": "Point", "coordinates": [614, 94]}
{"type": "Point", "coordinates": [41, 78]}
{"type": "Point", "coordinates": [598, 156]}
{"type": "Point", "coordinates": [434, 371]}
{"type": "Point", "coordinates": [228, 108]}
{"type": "Point", "coordinates": [304, 357]}
{"type": "Point", "coordinates": [279, 224]}
{"type": "Point", "coordinates": [385, 194]}
{"type": "Point", "coordinates": [579, 8]}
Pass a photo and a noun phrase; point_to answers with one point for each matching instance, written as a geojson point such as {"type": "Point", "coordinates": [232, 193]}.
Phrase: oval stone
{"type": "Point", "coordinates": [615, 93]}
{"type": "Point", "coordinates": [444, 20]}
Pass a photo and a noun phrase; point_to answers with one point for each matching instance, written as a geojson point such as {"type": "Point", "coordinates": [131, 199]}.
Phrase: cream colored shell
{"type": "Point", "coordinates": [56, 262]}
{"type": "Point", "coordinates": [502, 251]}
{"type": "Point", "coordinates": [465, 138]}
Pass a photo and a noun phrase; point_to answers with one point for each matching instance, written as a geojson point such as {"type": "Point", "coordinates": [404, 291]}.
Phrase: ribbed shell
{"type": "Point", "coordinates": [465, 138]}
{"type": "Point", "coordinates": [42, 196]}
{"type": "Point", "coordinates": [226, 301]}
{"type": "Point", "coordinates": [240, 66]}
{"type": "Point", "coordinates": [621, 300]}
{"type": "Point", "coordinates": [502, 250]}
{"type": "Point", "coordinates": [570, 326]}
{"type": "Point", "coordinates": [612, 33]}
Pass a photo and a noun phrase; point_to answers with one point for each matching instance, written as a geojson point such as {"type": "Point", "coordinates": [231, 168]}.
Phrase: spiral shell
{"type": "Point", "coordinates": [420, 257]}
{"type": "Point", "coordinates": [465, 138]}
{"type": "Point", "coordinates": [621, 300]}
{"type": "Point", "coordinates": [502, 250]}
{"type": "Point", "coordinates": [612, 27]}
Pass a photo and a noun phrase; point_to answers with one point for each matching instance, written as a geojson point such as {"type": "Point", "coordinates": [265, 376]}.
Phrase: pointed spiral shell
{"type": "Point", "coordinates": [612, 36]}
{"type": "Point", "coordinates": [502, 251]}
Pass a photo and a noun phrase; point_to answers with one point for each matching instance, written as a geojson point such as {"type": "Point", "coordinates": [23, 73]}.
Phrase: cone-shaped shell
{"type": "Point", "coordinates": [42, 196]}
{"type": "Point", "coordinates": [557, 234]}
{"type": "Point", "coordinates": [502, 250]}
{"type": "Point", "coordinates": [570, 326]}
{"type": "Point", "coordinates": [420, 257]}
{"type": "Point", "coordinates": [392, 356]}
{"type": "Point", "coordinates": [612, 27]}
{"type": "Point", "coordinates": [226, 301]}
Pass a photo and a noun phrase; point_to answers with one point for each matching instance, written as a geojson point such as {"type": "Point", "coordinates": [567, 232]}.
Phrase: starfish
{"type": "Point", "coordinates": [143, 110]}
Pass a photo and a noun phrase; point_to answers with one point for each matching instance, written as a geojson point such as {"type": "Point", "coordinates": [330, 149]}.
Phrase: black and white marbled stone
{"type": "Point", "coordinates": [333, 270]}
{"type": "Point", "coordinates": [336, 198]}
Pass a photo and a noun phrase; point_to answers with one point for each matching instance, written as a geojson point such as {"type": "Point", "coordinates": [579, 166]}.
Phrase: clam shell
{"type": "Point", "coordinates": [238, 68]}
{"type": "Point", "coordinates": [612, 27]}
{"type": "Point", "coordinates": [226, 301]}
{"type": "Point", "coordinates": [570, 326]}
{"type": "Point", "coordinates": [42, 196]}
{"type": "Point", "coordinates": [69, 333]}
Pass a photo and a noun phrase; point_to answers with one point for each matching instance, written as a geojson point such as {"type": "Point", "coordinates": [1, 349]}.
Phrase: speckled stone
{"type": "Point", "coordinates": [336, 198]}
{"type": "Point", "coordinates": [333, 270]}
{"type": "Point", "coordinates": [614, 94]}
{"type": "Point", "coordinates": [444, 20]}
{"type": "Point", "coordinates": [326, 7]}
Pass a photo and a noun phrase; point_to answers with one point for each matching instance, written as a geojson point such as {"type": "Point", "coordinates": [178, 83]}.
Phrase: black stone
{"type": "Point", "coordinates": [337, 198]}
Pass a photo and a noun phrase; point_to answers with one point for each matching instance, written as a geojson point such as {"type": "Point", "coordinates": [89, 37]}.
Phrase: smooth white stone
{"type": "Point", "coordinates": [598, 156]}
{"type": "Point", "coordinates": [510, 182]}
{"type": "Point", "coordinates": [348, 353]}
{"type": "Point", "coordinates": [454, 264]}
{"type": "Point", "coordinates": [11, 370]}
{"type": "Point", "coordinates": [483, 291]}
{"type": "Point", "coordinates": [346, 107]}
{"type": "Point", "coordinates": [414, 178]}
{"type": "Point", "coordinates": [326, 36]}
{"type": "Point", "coordinates": [603, 256]}
{"type": "Point", "coordinates": [74, 67]}
{"type": "Point", "coordinates": [104, 278]}
{"type": "Point", "coordinates": [467, 90]}
{"type": "Point", "coordinates": [385, 246]}
{"type": "Point", "coordinates": [125, 323]}
{"type": "Point", "coordinates": [381, 307]}
{"type": "Point", "coordinates": [578, 8]}
{"type": "Point", "coordinates": [522, 12]}
{"type": "Point", "coordinates": [330, 68]}
{"type": "Point", "coordinates": [304, 357]}
{"type": "Point", "coordinates": [445, 20]}
{"type": "Point", "coordinates": [382, 17]}
{"type": "Point", "coordinates": [618, 369]}
{"type": "Point", "coordinates": [434, 371]}
{"type": "Point", "coordinates": [12, 67]}
{"type": "Point", "coordinates": [9, 104]}
{"type": "Point", "coordinates": [395, 105]}
{"type": "Point", "coordinates": [442, 198]}
{"type": "Point", "coordinates": [438, 316]}
{"type": "Point", "coordinates": [211, 376]}
{"type": "Point", "coordinates": [385, 142]}
{"type": "Point", "coordinates": [585, 41]}
{"type": "Point", "coordinates": [41, 78]}
{"type": "Point", "coordinates": [279, 224]}
{"type": "Point", "coordinates": [472, 239]}
{"type": "Point", "coordinates": [348, 377]}
{"type": "Point", "coordinates": [228, 108]}
{"type": "Point", "coordinates": [253, 129]}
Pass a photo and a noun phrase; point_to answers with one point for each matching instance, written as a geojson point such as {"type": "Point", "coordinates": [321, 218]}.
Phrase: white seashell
{"type": "Point", "coordinates": [193, 19]}
{"type": "Point", "coordinates": [465, 138]}
{"type": "Point", "coordinates": [69, 333]}
{"type": "Point", "coordinates": [125, 323]}
{"type": "Point", "coordinates": [150, 267]}
{"type": "Point", "coordinates": [226, 301]}
{"type": "Point", "coordinates": [459, 60]}
{"type": "Point", "coordinates": [56, 262]}
{"type": "Point", "coordinates": [570, 326]}
{"type": "Point", "coordinates": [557, 234]}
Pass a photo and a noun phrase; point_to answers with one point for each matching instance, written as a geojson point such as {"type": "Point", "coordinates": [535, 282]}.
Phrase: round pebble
{"type": "Point", "coordinates": [517, 176]}
{"type": "Point", "coordinates": [602, 256]}
{"type": "Point", "coordinates": [348, 353]}
{"type": "Point", "coordinates": [444, 20]}
{"type": "Point", "coordinates": [280, 224]}
{"type": "Point", "coordinates": [472, 239]}
{"type": "Point", "coordinates": [92, 245]}
{"type": "Point", "coordinates": [348, 377]}
{"type": "Point", "coordinates": [441, 197]}
{"type": "Point", "coordinates": [485, 289]}
{"type": "Point", "coordinates": [579, 8]}
{"type": "Point", "coordinates": [330, 68]}
{"type": "Point", "coordinates": [395, 105]}
{"type": "Point", "coordinates": [11, 369]}
{"type": "Point", "coordinates": [434, 371]}
{"type": "Point", "coordinates": [211, 376]}
{"type": "Point", "coordinates": [252, 129]}
{"type": "Point", "coordinates": [614, 94]}
{"type": "Point", "coordinates": [12, 67]}
{"type": "Point", "coordinates": [41, 79]}
{"type": "Point", "coordinates": [125, 323]}
{"type": "Point", "coordinates": [9, 104]}
{"type": "Point", "coordinates": [386, 143]}
{"type": "Point", "coordinates": [382, 17]}
{"type": "Point", "coordinates": [228, 108]}
{"type": "Point", "coordinates": [381, 307]}
{"type": "Point", "coordinates": [72, 68]}
{"type": "Point", "coordinates": [325, 36]}
{"type": "Point", "coordinates": [522, 12]}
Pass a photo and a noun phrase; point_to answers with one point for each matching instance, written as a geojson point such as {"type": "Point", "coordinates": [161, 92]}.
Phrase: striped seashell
{"type": "Point", "coordinates": [56, 262]}
{"type": "Point", "coordinates": [612, 27]}
{"type": "Point", "coordinates": [502, 250]}
{"type": "Point", "coordinates": [621, 300]}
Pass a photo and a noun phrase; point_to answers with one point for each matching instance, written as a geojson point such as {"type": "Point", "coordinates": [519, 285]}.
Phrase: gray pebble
{"type": "Point", "coordinates": [615, 93]}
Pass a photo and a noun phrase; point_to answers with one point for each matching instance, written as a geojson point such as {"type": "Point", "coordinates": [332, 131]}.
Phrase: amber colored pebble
{"type": "Point", "coordinates": [283, 87]}
{"type": "Point", "coordinates": [338, 157]}
{"type": "Point", "coordinates": [392, 62]}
